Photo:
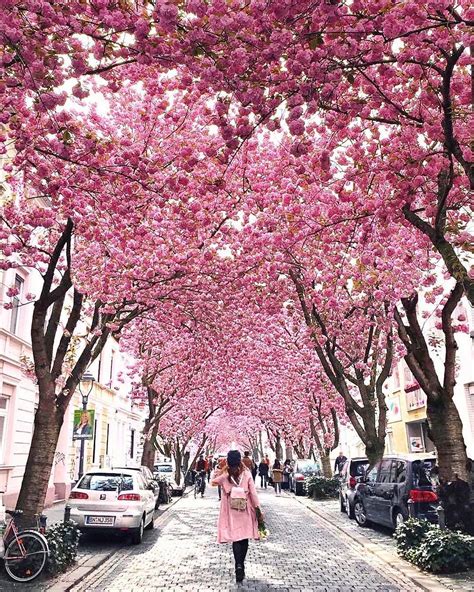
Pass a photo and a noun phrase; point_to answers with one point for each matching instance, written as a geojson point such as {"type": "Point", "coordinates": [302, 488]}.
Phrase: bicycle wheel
{"type": "Point", "coordinates": [25, 556]}
{"type": "Point", "coordinates": [196, 489]}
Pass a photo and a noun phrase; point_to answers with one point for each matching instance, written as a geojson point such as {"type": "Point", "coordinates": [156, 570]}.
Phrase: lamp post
{"type": "Point", "coordinates": [85, 388]}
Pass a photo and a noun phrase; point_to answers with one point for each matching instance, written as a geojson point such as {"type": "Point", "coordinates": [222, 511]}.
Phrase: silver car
{"type": "Point", "coordinates": [113, 500]}
{"type": "Point", "coordinates": [167, 471]}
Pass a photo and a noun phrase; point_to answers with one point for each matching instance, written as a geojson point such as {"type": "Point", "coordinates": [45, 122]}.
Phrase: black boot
{"type": "Point", "coordinates": [239, 573]}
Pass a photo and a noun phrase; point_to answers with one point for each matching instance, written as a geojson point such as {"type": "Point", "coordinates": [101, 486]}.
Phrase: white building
{"type": "Point", "coordinates": [118, 423]}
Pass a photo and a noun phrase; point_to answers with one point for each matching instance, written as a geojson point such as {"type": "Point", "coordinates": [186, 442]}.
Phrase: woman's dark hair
{"type": "Point", "coordinates": [236, 471]}
{"type": "Point", "coordinates": [277, 464]}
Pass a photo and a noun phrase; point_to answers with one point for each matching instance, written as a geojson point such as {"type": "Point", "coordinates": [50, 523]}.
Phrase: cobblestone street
{"type": "Point", "coordinates": [303, 553]}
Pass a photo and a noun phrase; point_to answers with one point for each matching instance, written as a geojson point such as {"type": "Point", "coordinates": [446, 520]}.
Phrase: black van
{"type": "Point", "coordinates": [383, 495]}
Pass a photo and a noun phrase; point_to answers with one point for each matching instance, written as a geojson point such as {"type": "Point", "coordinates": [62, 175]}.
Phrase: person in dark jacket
{"type": "Point", "coordinates": [340, 462]}
{"type": "Point", "coordinates": [263, 469]}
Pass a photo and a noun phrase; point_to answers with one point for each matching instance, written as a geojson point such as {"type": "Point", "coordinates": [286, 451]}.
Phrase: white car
{"type": "Point", "coordinates": [113, 500]}
{"type": "Point", "coordinates": [166, 470]}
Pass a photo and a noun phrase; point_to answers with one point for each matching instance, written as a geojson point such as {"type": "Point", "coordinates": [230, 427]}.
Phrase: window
{"type": "Point", "coordinates": [19, 281]}
{"type": "Point", "coordinates": [399, 471]}
{"type": "Point", "coordinates": [132, 443]}
{"type": "Point", "coordinates": [415, 399]}
{"type": "Point", "coordinates": [3, 426]}
{"type": "Point", "coordinates": [372, 474]}
{"type": "Point", "coordinates": [106, 482]}
{"type": "Point", "coordinates": [111, 371]}
{"type": "Point", "coordinates": [407, 375]}
{"type": "Point", "coordinates": [385, 472]}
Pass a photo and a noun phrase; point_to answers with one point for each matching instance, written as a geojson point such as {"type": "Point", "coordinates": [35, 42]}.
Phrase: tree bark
{"type": "Point", "coordinates": [149, 450]}
{"type": "Point", "coordinates": [326, 465]}
{"type": "Point", "coordinates": [445, 426]}
{"type": "Point", "coordinates": [47, 425]}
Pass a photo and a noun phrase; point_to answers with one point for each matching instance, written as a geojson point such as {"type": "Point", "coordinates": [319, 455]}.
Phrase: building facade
{"type": "Point", "coordinates": [118, 422]}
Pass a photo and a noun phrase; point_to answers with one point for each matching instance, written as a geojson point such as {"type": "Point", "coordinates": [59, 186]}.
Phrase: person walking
{"type": "Point", "coordinates": [237, 517]}
{"type": "Point", "coordinates": [248, 462]}
{"type": "Point", "coordinates": [263, 469]}
{"type": "Point", "coordinates": [277, 476]}
{"type": "Point", "coordinates": [219, 469]}
{"type": "Point", "coordinates": [339, 463]}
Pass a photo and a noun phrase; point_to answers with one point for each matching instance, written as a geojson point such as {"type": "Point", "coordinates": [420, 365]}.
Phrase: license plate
{"type": "Point", "coordinates": [101, 520]}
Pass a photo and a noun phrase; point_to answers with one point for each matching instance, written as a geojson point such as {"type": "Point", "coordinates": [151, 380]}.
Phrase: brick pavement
{"type": "Point", "coordinates": [380, 540]}
{"type": "Point", "coordinates": [302, 554]}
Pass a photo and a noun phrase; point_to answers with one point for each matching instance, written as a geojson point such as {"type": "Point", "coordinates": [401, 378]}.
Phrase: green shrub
{"type": "Point", "coordinates": [410, 534]}
{"type": "Point", "coordinates": [322, 487]}
{"type": "Point", "coordinates": [63, 541]}
{"type": "Point", "coordinates": [433, 549]}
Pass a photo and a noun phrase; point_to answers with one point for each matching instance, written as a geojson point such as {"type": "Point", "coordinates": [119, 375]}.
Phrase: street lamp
{"type": "Point", "coordinates": [86, 385]}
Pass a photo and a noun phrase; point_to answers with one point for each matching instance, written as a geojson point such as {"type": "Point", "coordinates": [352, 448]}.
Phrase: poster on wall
{"type": "Point", "coordinates": [394, 413]}
{"type": "Point", "coordinates": [416, 444]}
{"type": "Point", "coordinates": [83, 424]}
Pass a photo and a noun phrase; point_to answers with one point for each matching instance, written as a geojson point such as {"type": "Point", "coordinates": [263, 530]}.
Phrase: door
{"type": "Point", "coordinates": [385, 493]}
{"type": "Point", "coordinates": [367, 489]}
{"type": "Point", "coordinates": [148, 496]}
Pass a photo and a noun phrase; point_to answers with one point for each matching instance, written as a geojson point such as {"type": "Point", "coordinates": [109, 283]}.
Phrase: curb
{"type": "Point", "coordinates": [419, 579]}
{"type": "Point", "coordinates": [72, 578]}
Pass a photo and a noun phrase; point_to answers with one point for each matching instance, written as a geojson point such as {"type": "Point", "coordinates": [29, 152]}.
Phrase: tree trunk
{"type": "Point", "coordinates": [445, 429]}
{"type": "Point", "coordinates": [47, 425]}
{"type": "Point", "coordinates": [178, 459]}
{"type": "Point", "coordinates": [149, 451]}
{"type": "Point", "coordinates": [326, 465]}
{"type": "Point", "coordinates": [186, 456]}
{"type": "Point", "coordinates": [278, 447]}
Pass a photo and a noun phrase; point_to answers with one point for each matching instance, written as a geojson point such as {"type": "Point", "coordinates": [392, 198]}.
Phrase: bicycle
{"type": "Point", "coordinates": [26, 551]}
{"type": "Point", "coordinates": [200, 484]}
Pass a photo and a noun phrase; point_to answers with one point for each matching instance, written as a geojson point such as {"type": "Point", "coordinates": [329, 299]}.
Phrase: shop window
{"type": "Point", "coordinates": [415, 399]}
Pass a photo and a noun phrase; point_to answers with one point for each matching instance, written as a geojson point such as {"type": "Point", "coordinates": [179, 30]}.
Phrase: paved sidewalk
{"type": "Point", "coordinates": [379, 540]}
{"type": "Point", "coordinates": [92, 552]}
{"type": "Point", "coordinates": [301, 555]}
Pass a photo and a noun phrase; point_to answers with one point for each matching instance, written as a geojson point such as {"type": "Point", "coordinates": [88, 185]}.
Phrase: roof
{"type": "Point", "coordinates": [111, 471]}
{"type": "Point", "coordinates": [412, 456]}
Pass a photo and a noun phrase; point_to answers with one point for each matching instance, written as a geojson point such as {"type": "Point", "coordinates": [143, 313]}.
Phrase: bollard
{"type": "Point", "coordinates": [411, 508]}
{"type": "Point", "coordinates": [441, 517]}
{"type": "Point", "coordinates": [42, 523]}
{"type": "Point", "coordinates": [67, 514]}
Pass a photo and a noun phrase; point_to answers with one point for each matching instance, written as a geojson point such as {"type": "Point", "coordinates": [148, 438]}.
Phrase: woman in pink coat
{"type": "Point", "coordinates": [237, 526]}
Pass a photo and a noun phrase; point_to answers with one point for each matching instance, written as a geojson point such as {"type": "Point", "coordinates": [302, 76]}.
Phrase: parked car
{"type": "Point", "coordinates": [383, 495]}
{"type": "Point", "coordinates": [352, 473]}
{"type": "Point", "coordinates": [116, 500]}
{"type": "Point", "coordinates": [149, 480]}
{"type": "Point", "coordinates": [304, 468]}
{"type": "Point", "coordinates": [167, 470]}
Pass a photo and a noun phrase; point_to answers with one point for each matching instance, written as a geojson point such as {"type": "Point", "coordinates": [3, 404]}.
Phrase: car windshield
{"type": "Point", "coordinates": [101, 482]}
{"type": "Point", "coordinates": [164, 469]}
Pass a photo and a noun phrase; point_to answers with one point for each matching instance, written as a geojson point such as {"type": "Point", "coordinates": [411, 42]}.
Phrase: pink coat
{"type": "Point", "coordinates": [234, 525]}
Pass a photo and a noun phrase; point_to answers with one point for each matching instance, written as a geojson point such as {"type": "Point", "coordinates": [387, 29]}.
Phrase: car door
{"type": "Point", "coordinates": [384, 493]}
{"type": "Point", "coordinates": [368, 492]}
{"type": "Point", "coordinates": [148, 498]}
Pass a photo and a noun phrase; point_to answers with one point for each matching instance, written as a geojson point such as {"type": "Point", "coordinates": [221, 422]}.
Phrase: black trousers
{"type": "Point", "coordinates": [240, 549]}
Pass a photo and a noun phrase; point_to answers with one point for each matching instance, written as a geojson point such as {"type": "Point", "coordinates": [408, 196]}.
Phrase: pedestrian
{"type": "Point", "coordinates": [277, 476]}
{"type": "Point", "coordinates": [219, 469]}
{"type": "Point", "coordinates": [237, 517]}
{"type": "Point", "coordinates": [287, 471]}
{"type": "Point", "coordinates": [340, 462]}
{"type": "Point", "coordinates": [247, 460]}
{"type": "Point", "coordinates": [263, 469]}
{"type": "Point", "coordinates": [267, 460]}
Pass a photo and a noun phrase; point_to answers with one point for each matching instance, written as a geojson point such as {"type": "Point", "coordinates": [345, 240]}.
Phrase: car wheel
{"type": "Point", "coordinates": [342, 505]}
{"type": "Point", "coordinates": [349, 508]}
{"type": "Point", "coordinates": [151, 524]}
{"type": "Point", "coordinates": [398, 518]}
{"type": "Point", "coordinates": [360, 514]}
{"type": "Point", "coordinates": [137, 535]}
